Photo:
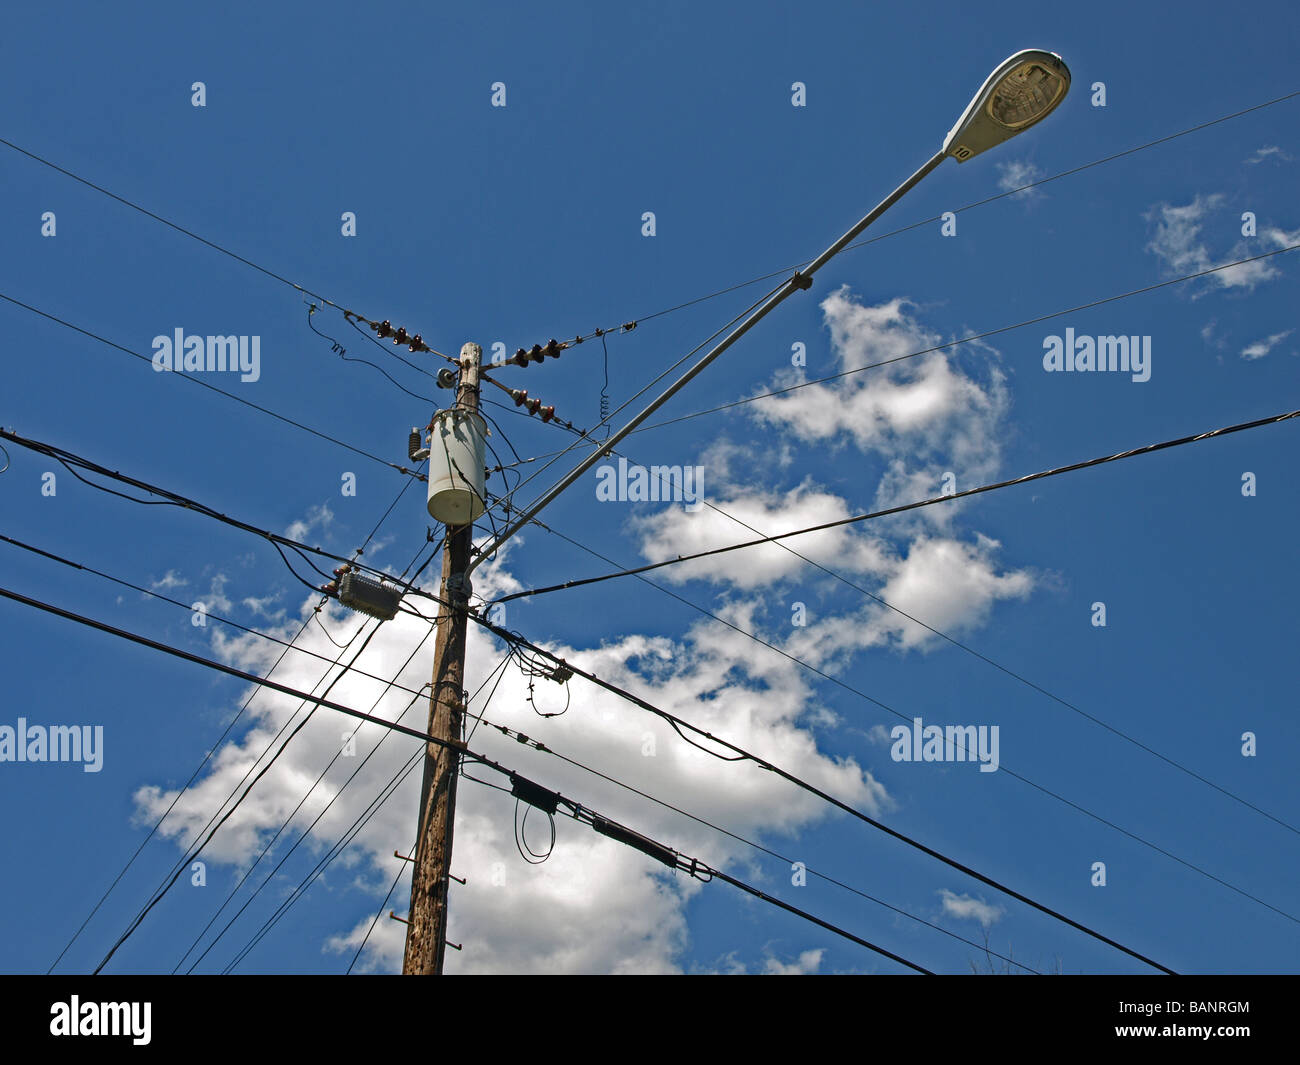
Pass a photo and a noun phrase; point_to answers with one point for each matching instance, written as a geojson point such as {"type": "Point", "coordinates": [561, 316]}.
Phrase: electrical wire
{"type": "Point", "coordinates": [195, 236]}
{"type": "Point", "coordinates": [899, 714]}
{"type": "Point", "coordinates": [902, 508]}
{"type": "Point", "coordinates": [741, 754]}
{"type": "Point", "coordinates": [863, 695]}
{"type": "Point", "coordinates": [785, 271]}
{"type": "Point", "coordinates": [968, 339]}
{"type": "Point", "coordinates": [342, 352]}
{"type": "Point", "coordinates": [185, 503]}
{"type": "Point", "coordinates": [210, 387]}
{"type": "Point", "coordinates": [691, 865]}
{"type": "Point", "coordinates": [225, 733]}
{"type": "Point", "coordinates": [536, 745]}
{"type": "Point", "coordinates": [702, 872]}
{"type": "Point", "coordinates": [289, 820]}
{"type": "Point", "coordinates": [346, 839]}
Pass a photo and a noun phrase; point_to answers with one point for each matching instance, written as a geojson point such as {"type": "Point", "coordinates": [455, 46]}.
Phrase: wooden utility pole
{"type": "Point", "coordinates": [426, 935]}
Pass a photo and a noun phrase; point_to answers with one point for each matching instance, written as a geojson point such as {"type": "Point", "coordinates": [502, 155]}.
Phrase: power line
{"type": "Point", "coordinates": [348, 836]}
{"type": "Point", "coordinates": [855, 519]}
{"type": "Point", "coordinates": [603, 825]}
{"type": "Point", "coordinates": [899, 714]}
{"type": "Point", "coordinates": [632, 324]}
{"type": "Point", "coordinates": [184, 861]}
{"type": "Point", "coordinates": [845, 373]}
{"type": "Point", "coordinates": [628, 326]}
{"type": "Point", "coordinates": [503, 634]}
{"type": "Point", "coordinates": [215, 247]}
{"type": "Point", "coordinates": [390, 684]}
{"type": "Point", "coordinates": [681, 727]}
{"type": "Point", "coordinates": [212, 388]}
{"type": "Point", "coordinates": [697, 869]}
{"type": "Point", "coordinates": [230, 725]}
{"type": "Point", "coordinates": [251, 678]}
{"type": "Point", "coordinates": [288, 645]}
{"type": "Point", "coordinates": [537, 745]}
{"type": "Point", "coordinates": [940, 499]}
{"type": "Point", "coordinates": [289, 820]}
{"type": "Point", "coordinates": [968, 339]}
{"type": "Point", "coordinates": [173, 498]}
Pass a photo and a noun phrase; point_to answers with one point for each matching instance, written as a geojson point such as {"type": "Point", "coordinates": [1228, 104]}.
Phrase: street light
{"type": "Point", "coordinates": [1024, 90]}
{"type": "Point", "coordinates": [1021, 91]}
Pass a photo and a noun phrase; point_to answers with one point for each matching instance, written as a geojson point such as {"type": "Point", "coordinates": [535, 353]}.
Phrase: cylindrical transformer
{"type": "Point", "coordinates": [457, 479]}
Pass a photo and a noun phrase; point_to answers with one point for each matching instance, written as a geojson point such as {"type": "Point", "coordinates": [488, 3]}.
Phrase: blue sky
{"type": "Point", "coordinates": [509, 225]}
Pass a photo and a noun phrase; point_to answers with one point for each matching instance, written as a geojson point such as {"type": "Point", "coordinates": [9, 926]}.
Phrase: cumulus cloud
{"type": "Point", "coordinates": [950, 585]}
{"type": "Point", "coordinates": [918, 418]}
{"type": "Point", "coordinates": [595, 906]}
{"type": "Point", "coordinates": [969, 908]}
{"type": "Point", "coordinates": [922, 413]}
{"type": "Point", "coordinates": [669, 533]}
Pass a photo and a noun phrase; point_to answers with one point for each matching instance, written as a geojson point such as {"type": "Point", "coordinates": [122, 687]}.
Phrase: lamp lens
{"type": "Point", "coordinates": [1025, 95]}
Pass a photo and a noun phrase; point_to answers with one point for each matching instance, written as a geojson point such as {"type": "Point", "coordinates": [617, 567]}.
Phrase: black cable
{"type": "Point", "coordinates": [387, 792]}
{"type": "Point", "coordinates": [251, 678]}
{"type": "Point", "coordinates": [691, 865]}
{"type": "Point", "coordinates": [899, 714]}
{"type": "Point", "coordinates": [286, 644]}
{"type": "Point", "coordinates": [289, 820]}
{"type": "Point", "coordinates": [343, 354]}
{"type": "Point", "coordinates": [966, 339]}
{"type": "Point", "coordinates": [212, 388]}
{"type": "Point", "coordinates": [785, 271]}
{"type": "Point", "coordinates": [700, 871]}
{"type": "Point", "coordinates": [857, 518]}
{"type": "Point", "coordinates": [536, 745]}
{"type": "Point", "coordinates": [504, 635]}
{"type": "Point", "coordinates": [226, 732]}
{"type": "Point", "coordinates": [369, 931]}
{"type": "Point", "coordinates": [350, 667]}
{"type": "Point", "coordinates": [804, 785]}
{"type": "Point", "coordinates": [184, 502]}
{"type": "Point", "coordinates": [345, 840]}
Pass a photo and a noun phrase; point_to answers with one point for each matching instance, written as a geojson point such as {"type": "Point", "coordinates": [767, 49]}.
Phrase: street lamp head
{"type": "Point", "coordinates": [1023, 90]}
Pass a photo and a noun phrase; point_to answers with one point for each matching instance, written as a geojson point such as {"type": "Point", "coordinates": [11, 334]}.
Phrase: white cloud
{"type": "Point", "coordinates": [950, 585]}
{"type": "Point", "coordinates": [1261, 348]}
{"type": "Point", "coordinates": [595, 906]}
{"type": "Point", "coordinates": [318, 517]}
{"type": "Point", "coordinates": [671, 532]}
{"type": "Point", "coordinates": [1177, 242]}
{"type": "Point", "coordinates": [171, 579]}
{"type": "Point", "coordinates": [264, 606]}
{"type": "Point", "coordinates": [967, 907]}
{"type": "Point", "coordinates": [1268, 151]}
{"type": "Point", "coordinates": [216, 600]}
{"type": "Point", "coordinates": [924, 415]}
{"type": "Point", "coordinates": [807, 963]}
{"type": "Point", "coordinates": [1017, 173]}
